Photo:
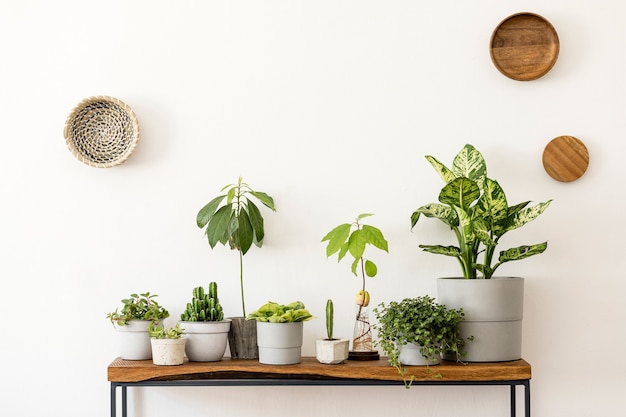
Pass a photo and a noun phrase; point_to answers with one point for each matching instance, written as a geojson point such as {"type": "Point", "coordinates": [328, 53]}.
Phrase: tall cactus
{"type": "Point", "coordinates": [329, 319]}
{"type": "Point", "coordinates": [203, 306]}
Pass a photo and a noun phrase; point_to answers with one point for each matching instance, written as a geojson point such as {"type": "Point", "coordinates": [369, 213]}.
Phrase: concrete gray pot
{"type": "Point", "coordinates": [493, 315]}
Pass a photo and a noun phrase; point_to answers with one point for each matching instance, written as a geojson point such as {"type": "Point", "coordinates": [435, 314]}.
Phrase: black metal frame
{"type": "Point", "coordinates": [306, 382]}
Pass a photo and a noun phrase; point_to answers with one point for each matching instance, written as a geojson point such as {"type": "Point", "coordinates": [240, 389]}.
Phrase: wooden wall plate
{"type": "Point", "coordinates": [565, 158]}
{"type": "Point", "coordinates": [524, 46]}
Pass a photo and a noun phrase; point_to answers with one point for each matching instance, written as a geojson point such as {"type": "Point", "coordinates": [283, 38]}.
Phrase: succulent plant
{"type": "Point", "coordinates": [138, 307]}
{"type": "Point", "coordinates": [330, 313]}
{"type": "Point", "coordinates": [203, 306]}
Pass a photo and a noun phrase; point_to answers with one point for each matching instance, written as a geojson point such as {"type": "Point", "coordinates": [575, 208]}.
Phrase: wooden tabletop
{"type": "Point", "coordinates": [137, 371]}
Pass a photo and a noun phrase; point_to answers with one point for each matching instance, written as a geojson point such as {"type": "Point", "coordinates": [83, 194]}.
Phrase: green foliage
{"type": "Point", "coordinates": [160, 332]}
{"type": "Point", "coordinates": [343, 240]}
{"type": "Point", "coordinates": [272, 312]}
{"type": "Point", "coordinates": [330, 313]}
{"type": "Point", "coordinates": [138, 307]}
{"type": "Point", "coordinates": [423, 322]}
{"type": "Point", "coordinates": [203, 306]}
{"type": "Point", "coordinates": [233, 219]}
{"type": "Point", "coordinates": [476, 210]}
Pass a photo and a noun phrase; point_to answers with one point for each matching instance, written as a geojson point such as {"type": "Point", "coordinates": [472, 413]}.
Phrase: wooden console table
{"type": "Point", "coordinates": [227, 372]}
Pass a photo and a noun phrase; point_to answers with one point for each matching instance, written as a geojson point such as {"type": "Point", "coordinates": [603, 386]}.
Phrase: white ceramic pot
{"type": "Point", "coordinates": [168, 351]}
{"type": "Point", "coordinates": [134, 340]}
{"type": "Point", "coordinates": [494, 311]}
{"type": "Point", "coordinates": [206, 340]}
{"type": "Point", "coordinates": [279, 343]}
{"type": "Point", "coordinates": [332, 352]}
{"type": "Point", "coordinates": [411, 355]}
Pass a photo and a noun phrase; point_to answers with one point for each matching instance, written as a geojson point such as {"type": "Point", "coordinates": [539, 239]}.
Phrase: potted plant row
{"type": "Point", "coordinates": [475, 208]}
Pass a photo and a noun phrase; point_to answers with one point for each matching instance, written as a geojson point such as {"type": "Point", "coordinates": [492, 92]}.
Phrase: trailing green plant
{"type": "Point", "coordinates": [237, 222]}
{"type": "Point", "coordinates": [421, 321]}
{"type": "Point", "coordinates": [204, 306]}
{"type": "Point", "coordinates": [160, 332]}
{"type": "Point", "coordinates": [476, 210]}
{"type": "Point", "coordinates": [272, 312]}
{"type": "Point", "coordinates": [138, 307]}
{"type": "Point", "coordinates": [330, 322]}
{"type": "Point", "coordinates": [343, 240]}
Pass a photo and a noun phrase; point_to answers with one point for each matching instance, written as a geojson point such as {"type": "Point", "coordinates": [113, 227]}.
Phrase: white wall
{"type": "Point", "coordinates": [329, 106]}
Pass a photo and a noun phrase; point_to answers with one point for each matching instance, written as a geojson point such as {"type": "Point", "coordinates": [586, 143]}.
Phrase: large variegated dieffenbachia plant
{"type": "Point", "coordinates": [475, 208]}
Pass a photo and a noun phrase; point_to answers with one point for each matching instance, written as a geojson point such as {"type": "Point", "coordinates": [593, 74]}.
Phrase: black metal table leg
{"type": "Point", "coordinates": [527, 397]}
{"type": "Point", "coordinates": [124, 402]}
{"type": "Point", "coordinates": [513, 400]}
{"type": "Point", "coordinates": [113, 399]}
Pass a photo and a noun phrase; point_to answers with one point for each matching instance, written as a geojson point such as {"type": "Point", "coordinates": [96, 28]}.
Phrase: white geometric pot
{"type": "Point", "coordinates": [494, 310]}
{"type": "Point", "coordinates": [168, 351]}
{"type": "Point", "coordinates": [134, 340]}
{"type": "Point", "coordinates": [279, 343]}
{"type": "Point", "coordinates": [333, 351]}
{"type": "Point", "coordinates": [206, 340]}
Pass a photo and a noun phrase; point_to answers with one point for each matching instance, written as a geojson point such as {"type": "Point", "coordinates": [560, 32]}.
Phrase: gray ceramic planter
{"type": "Point", "coordinates": [493, 315]}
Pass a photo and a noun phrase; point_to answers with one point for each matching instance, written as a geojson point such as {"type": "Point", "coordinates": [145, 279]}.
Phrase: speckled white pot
{"type": "Point", "coordinates": [168, 351]}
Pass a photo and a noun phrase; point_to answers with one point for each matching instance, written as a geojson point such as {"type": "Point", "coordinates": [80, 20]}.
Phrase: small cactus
{"type": "Point", "coordinates": [329, 319]}
{"type": "Point", "coordinates": [203, 306]}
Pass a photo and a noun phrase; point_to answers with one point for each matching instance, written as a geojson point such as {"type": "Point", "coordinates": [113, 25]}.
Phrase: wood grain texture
{"type": "Point", "coordinates": [135, 371]}
{"type": "Point", "coordinates": [565, 158]}
{"type": "Point", "coordinates": [524, 46]}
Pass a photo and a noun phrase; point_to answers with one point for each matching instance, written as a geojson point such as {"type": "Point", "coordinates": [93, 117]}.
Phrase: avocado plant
{"type": "Point", "coordinates": [353, 238]}
{"type": "Point", "coordinates": [237, 223]}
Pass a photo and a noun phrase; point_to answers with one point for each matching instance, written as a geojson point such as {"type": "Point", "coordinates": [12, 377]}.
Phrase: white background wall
{"type": "Point", "coordinates": [328, 106]}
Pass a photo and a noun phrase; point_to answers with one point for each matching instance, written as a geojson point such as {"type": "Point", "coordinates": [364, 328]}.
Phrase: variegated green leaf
{"type": "Point", "coordinates": [438, 211]}
{"type": "Point", "coordinates": [442, 250]}
{"type": "Point", "coordinates": [521, 217]}
{"type": "Point", "coordinates": [446, 174]}
{"type": "Point", "coordinates": [461, 192]}
{"type": "Point", "coordinates": [470, 163]}
{"type": "Point", "coordinates": [522, 252]}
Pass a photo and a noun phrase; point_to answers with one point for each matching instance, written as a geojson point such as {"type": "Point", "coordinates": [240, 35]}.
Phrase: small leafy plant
{"type": "Point", "coordinates": [237, 223]}
{"type": "Point", "coordinates": [272, 312]}
{"type": "Point", "coordinates": [476, 210]}
{"type": "Point", "coordinates": [330, 322]}
{"type": "Point", "coordinates": [204, 306]}
{"type": "Point", "coordinates": [160, 332]}
{"type": "Point", "coordinates": [420, 321]}
{"type": "Point", "coordinates": [138, 307]}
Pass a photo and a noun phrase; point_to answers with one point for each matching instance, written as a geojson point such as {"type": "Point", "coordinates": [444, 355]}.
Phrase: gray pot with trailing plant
{"type": "Point", "coordinates": [234, 220]}
{"type": "Point", "coordinates": [353, 238]}
{"type": "Point", "coordinates": [475, 208]}
{"type": "Point", "coordinates": [168, 345]}
{"type": "Point", "coordinates": [131, 323]}
{"type": "Point", "coordinates": [280, 332]}
{"type": "Point", "coordinates": [331, 350]}
{"type": "Point", "coordinates": [207, 329]}
{"type": "Point", "coordinates": [417, 332]}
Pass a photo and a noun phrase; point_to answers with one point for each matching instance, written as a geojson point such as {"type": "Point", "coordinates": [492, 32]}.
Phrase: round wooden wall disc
{"type": "Point", "coordinates": [565, 158]}
{"type": "Point", "coordinates": [524, 46]}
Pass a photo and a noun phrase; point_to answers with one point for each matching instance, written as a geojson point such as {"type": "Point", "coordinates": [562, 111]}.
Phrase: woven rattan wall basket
{"type": "Point", "coordinates": [102, 131]}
